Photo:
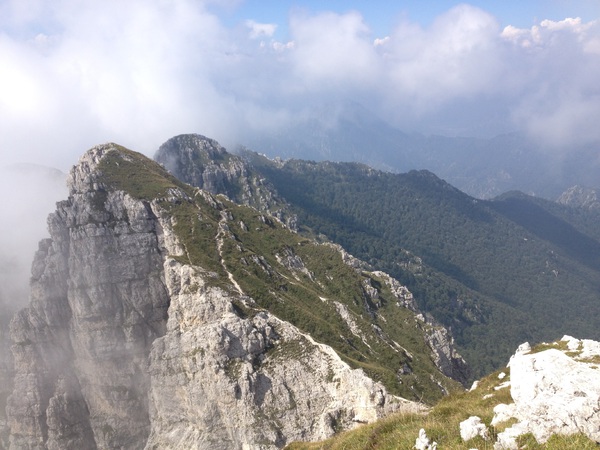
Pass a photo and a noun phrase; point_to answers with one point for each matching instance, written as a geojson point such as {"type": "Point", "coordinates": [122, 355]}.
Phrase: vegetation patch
{"type": "Point", "coordinates": [233, 369]}
{"type": "Point", "coordinates": [442, 425]}
{"type": "Point", "coordinates": [137, 175]}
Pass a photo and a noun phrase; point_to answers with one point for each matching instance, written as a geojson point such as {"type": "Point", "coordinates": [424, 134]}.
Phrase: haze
{"type": "Point", "coordinates": [75, 74]}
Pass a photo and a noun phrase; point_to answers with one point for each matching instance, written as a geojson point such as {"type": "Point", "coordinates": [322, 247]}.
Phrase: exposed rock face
{"type": "Point", "coordinates": [581, 197]}
{"type": "Point", "coordinates": [128, 344]}
{"type": "Point", "coordinates": [220, 381]}
{"type": "Point", "coordinates": [6, 374]}
{"type": "Point", "coordinates": [554, 391]}
{"type": "Point", "coordinates": [98, 301]}
{"type": "Point", "coordinates": [204, 163]}
{"type": "Point", "coordinates": [445, 356]}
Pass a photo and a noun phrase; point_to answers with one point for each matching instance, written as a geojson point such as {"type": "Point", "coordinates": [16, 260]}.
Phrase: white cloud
{"type": "Point", "coordinates": [381, 41]}
{"type": "Point", "coordinates": [130, 72]}
{"type": "Point", "coordinates": [555, 69]}
{"type": "Point", "coordinates": [282, 46]}
{"type": "Point", "coordinates": [78, 73]}
{"type": "Point", "coordinates": [333, 49]}
{"type": "Point", "coordinates": [259, 30]}
{"type": "Point", "coordinates": [457, 56]}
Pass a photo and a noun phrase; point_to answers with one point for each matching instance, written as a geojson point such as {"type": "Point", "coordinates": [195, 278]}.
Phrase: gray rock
{"type": "Point", "coordinates": [473, 427]}
{"type": "Point", "coordinates": [98, 301]}
{"type": "Point", "coordinates": [553, 392]}
{"type": "Point", "coordinates": [204, 163]}
{"type": "Point", "coordinates": [124, 345]}
{"type": "Point", "coordinates": [581, 197]}
{"type": "Point", "coordinates": [6, 374]}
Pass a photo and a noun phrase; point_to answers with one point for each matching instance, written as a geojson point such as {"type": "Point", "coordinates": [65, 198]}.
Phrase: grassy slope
{"type": "Point", "coordinates": [490, 271]}
{"type": "Point", "coordinates": [442, 425]}
{"type": "Point", "coordinates": [250, 254]}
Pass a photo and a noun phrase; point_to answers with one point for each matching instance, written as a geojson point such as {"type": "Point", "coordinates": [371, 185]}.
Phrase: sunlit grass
{"type": "Point", "coordinates": [442, 425]}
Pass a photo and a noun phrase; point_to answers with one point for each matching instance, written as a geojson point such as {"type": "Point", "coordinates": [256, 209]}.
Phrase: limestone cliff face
{"type": "Point", "coordinates": [255, 381]}
{"type": "Point", "coordinates": [135, 338]}
{"type": "Point", "coordinates": [204, 163]}
{"type": "Point", "coordinates": [98, 301]}
{"type": "Point", "coordinates": [6, 376]}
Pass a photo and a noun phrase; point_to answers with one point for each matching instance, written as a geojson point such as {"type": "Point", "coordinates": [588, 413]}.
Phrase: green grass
{"type": "Point", "coordinates": [137, 175]}
{"type": "Point", "coordinates": [250, 250]}
{"type": "Point", "coordinates": [442, 425]}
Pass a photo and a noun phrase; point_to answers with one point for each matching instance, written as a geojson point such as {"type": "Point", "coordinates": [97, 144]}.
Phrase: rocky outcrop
{"type": "Point", "coordinates": [581, 197]}
{"type": "Point", "coordinates": [444, 353]}
{"type": "Point", "coordinates": [222, 381]}
{"type": "Point", "coordinates": [555, 391]}
{"type": "Point", "coordinates": [140, 333]}
{"type": "Point", "coordinates": [6, 373]}
{"type": "Point", "coordinates": [204, 163]}
{"type": "Point", "coordinates": [473, 427]}
{"type": "Point", "coordinates": [98, 301]}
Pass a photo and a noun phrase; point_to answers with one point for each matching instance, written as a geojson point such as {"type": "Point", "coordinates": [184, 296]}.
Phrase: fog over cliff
{"type": "Point", "coordinates": [28, 193]}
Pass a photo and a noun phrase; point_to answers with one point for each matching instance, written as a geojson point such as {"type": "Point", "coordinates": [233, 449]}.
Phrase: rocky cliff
{"type": "Point", "coordinates": [164, 317]}
{"type": "Point", "coordinates": [6, 373]}
{"type": "Point", "coordinates": [204, 163]}
{"type": "Point", "coordinates": [579, 196]}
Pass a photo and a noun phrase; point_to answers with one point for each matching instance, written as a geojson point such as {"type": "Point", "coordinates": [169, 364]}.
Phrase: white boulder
{"type": "Point", "coordinates": [473, 427]}
{"type": "Point", "coordinates": [422, 442]}
{"type": "Point", "coordinates": [553, 393]}
{"type": "Point", "coordinates": [502, 413]}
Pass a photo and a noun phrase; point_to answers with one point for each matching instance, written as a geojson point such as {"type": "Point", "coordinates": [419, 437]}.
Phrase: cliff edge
{"type": "Point", "coordinates": [162, 316]}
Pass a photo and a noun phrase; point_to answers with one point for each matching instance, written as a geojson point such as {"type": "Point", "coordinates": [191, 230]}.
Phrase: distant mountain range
{"type": "Point", "coordinates": [483, 168]}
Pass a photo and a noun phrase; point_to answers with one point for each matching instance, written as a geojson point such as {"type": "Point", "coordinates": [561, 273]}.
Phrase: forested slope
{"type": "Point", "coordinates": [497, 272]}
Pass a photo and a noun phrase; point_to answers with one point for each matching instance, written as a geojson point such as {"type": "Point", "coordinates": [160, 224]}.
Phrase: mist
{"type": "Point", "coordinates": [28, 193]}
{"type": "Point", "coordinates": [75, 74]}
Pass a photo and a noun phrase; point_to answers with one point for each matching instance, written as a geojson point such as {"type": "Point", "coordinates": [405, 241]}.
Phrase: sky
{"type": "Point", "coordinates": [75, 73]}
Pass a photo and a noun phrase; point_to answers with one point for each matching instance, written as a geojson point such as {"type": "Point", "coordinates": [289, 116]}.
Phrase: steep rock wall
{"type": "Point", "coordinates": [204, 163]}
{"type": "Point", "coordinates": [6, 376]}
{"type": "Point", "coordinates": [222, 381]}
{"type": "Point", "coordinates": [98, 301]}
{"type": "Point", "coordinates": [124, 345]}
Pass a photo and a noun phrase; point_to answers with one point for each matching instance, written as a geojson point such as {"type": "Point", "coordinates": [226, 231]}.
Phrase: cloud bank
{"type": "Point", "coordinates": [76, 73]}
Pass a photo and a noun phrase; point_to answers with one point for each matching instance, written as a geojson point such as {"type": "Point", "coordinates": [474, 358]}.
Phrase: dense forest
{"type": "Point", "coordinates": [498, 273]}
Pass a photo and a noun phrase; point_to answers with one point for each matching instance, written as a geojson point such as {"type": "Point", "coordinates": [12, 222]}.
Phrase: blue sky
{"type": "Point", "coordinates": [382, 16]}
{"type": "Point", "coordinates": [75, 73]}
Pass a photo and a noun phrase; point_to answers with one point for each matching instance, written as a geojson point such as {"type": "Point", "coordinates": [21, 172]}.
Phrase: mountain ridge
{"type": "Point", "coordinates": [483, 167]}
{"type": "Point", "coordinates": [481, 254]}
{"type": "Point", "coordinates": [164, 316]}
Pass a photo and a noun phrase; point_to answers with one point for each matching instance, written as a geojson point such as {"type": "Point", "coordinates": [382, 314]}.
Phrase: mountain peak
{"type": "Point", "coordinates": [150, 290]}
{"type": "Point", "coordinates": [580, 196]}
